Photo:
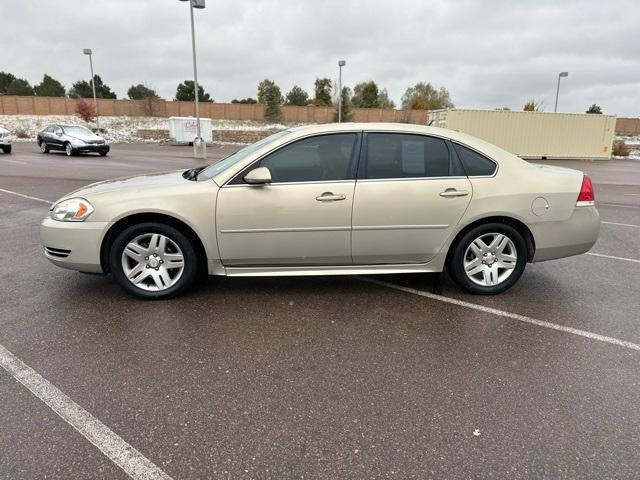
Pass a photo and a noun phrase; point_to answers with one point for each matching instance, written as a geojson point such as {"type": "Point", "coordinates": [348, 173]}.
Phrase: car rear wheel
{"type": "Point", "coordinates": [153, 261]}
{"type": "Point", "coordinates": [6, 149]}
{"type": "Point", "coordinates": [43, 147]}
{"type": "Point", "coordinates": [488, 259]}
{"type": "Point", "coordinates": [103, 154]}
{"type": "Point", "coordinates": [69, 149]}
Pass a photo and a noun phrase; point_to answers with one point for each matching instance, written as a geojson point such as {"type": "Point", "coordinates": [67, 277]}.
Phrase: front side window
{"type": "Point", "coordinates": [314, 159]}
{"type": "Point", "coordinates": [398, 155]}
{"type": "Point", "coordinates": [475, 164]}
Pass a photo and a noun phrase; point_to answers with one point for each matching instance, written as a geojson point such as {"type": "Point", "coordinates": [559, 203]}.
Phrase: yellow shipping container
{"type": "Point", "coordinates": [535, 134]}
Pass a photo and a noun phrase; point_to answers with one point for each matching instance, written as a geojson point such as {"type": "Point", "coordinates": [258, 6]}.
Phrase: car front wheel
{"type": "Point", "coordinates": [69, 149]}
{"type": "Point", "coordinates": [488, 259]}
{"type": "Point", "coordinates": [153, 261]}
{"type": "Point", "coordinates": [43, 147]}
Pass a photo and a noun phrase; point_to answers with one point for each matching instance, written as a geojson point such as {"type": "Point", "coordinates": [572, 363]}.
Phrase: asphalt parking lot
{"type": "Point", "coordinates": [320, 377]}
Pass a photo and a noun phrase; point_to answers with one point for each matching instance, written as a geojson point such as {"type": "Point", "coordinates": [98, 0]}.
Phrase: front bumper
{"type": "Point", "coordinates": [566, 238]}
{"type": "Point", "coordinates": [92, 148]}
{"type": "Point", "coordinates": [73, 245]}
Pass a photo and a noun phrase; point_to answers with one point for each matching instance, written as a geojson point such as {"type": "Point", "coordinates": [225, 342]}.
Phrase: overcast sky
{"type": "Point", "coordinates": [488, 53]}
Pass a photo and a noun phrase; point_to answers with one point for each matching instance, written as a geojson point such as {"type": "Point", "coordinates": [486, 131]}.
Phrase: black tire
{"type": "Point", "coordinates": [69, 150]}
{"type": "Point", "coordinates": [43, 147]}
{"type": "Point", "coordinates": [191, 263]}
{"type": "Point", "coordinates": [7, 149]}
{"type": "Point", "coordinates": [103, 154]}
{"type": "Point", "coordinates": [456, 263]}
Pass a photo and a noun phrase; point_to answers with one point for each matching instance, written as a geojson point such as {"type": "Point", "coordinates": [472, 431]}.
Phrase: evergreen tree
{"type": "Point", "coordinates": [346, 106]}
{"type": "Point", "coordinates": [49, 87]}
{"type": "Point", "coordinates": [297, 96]}
{"type": "Point", "coordinates": [186, 92]}
{"type": "Point", "coordinates": [322, 92]}
{"type": "Point", "coordinates": [142, 92]}
{"type": "Point", "coordinates": [269, 95]}
{"type": "Point", "coordinates": [5, 79]}
{"type": "Point", "coordinates": [83, 89]}
{"type": "Point", "coordinates": [594, 109]}
{"type": "Point", "coordinates": [19, 86]}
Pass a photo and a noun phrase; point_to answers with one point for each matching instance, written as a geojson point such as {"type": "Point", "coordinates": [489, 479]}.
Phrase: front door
{"type": "Point", "coordinates": [410, 195]}
{"type": "Point", "coordinates": [303, 217]}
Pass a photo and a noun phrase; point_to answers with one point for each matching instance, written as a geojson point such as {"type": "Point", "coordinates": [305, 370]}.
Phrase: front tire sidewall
{"type": "Point", "coordinates": [69, 150]}
{"type": "Point", "coordinates": [189, 253]}
{"type": "Point", "coordinates": [456, 263]}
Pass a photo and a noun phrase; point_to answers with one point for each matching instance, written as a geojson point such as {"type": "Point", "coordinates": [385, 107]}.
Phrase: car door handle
{"type": "Point", "coordinates": [452, 192]}
{"type": "Point", "coordinates": [330, 197]}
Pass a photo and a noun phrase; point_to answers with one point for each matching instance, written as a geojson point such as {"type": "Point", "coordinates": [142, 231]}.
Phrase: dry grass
{"type": "Point", "coordinates": [22, 133]}
{"type": "Point", "coordinates": [620, 148]}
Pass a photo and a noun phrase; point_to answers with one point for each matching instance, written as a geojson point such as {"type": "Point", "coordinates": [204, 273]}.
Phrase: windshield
{"type": "Point", "coordinates": [77, 130]}
{"type": "Point", "coordinates": [213, 170]}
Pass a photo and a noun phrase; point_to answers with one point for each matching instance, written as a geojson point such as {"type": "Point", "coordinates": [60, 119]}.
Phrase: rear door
{"type": "Point", "coordinates": [410, 194]}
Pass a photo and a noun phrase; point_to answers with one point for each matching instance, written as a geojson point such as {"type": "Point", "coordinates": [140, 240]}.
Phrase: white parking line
{"type": "Point", "coordinates": [621, 224]}
{"type": "Point", "coordinates": [26, 196]}
{"type": "Point", "coordinates": [502, 313]}
{"type": "Point", "coordinates": [618, 205]}
{"type": "Point", "coordinates": [136, 465]}
{"type": "Point", "coordinates": [613, 257]}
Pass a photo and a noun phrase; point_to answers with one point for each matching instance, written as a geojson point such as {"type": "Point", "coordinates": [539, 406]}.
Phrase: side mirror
{"type": "Point", "coordinates": [258, 176]}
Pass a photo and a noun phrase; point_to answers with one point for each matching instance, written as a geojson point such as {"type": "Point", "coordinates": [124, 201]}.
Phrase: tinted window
{"type": "Point", "coordinates": [474, 163]}
{"type": "Point", "coordinates": [325, 157]}
{"type": "Point", "coordinates": [393, 155]}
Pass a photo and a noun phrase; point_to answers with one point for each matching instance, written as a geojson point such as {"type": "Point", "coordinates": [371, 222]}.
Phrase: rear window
{"type": "Point", "coordinates": [475, 164]}
{"type": "Point", "coordinates": [395, 155]}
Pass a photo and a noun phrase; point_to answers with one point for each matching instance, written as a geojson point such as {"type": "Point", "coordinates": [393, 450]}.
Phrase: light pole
{"type": "Point", "coordinates": [341, 63]}
{"type": "Point", "coordinates": [562, 74]}
{"type": "Point", "coordinates": [88, 51]}
{"type": "Point", "coordinates": [199, 147]}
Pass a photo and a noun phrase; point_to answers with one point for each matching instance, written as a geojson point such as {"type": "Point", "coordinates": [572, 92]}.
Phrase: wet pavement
{"type": "Point", "coordinates": [321, 377]}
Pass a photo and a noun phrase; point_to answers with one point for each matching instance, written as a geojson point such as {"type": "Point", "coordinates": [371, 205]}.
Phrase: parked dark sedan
{"type": "Point", "coordinates": [72, 139]}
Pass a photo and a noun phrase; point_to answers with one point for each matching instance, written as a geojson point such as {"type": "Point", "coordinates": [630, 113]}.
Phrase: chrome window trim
{"type": "Point", "coordinates": [275, 149]}
{"type": "Point", "coordinates": [318, 182]}
{"type": "Point", "coordinates": [406, 179]}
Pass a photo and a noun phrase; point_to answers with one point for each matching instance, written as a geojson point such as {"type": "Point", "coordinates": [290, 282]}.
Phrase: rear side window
{"type": "Point", "coordinates": [475, 164]}
{"type": "Point", "coordinates": [396, 155]}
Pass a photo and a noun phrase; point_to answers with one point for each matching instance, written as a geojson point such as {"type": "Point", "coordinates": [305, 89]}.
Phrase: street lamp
{"type": "Point", "coordinates": [562, 74]}
{"type": "Point", "coordinates": [88, 51]}
{"type": "Point", "coordinates": [341, 63]}
{"type": "Point", "coordinates": [199, 147]}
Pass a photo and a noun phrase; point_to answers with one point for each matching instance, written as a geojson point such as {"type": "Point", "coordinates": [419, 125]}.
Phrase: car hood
{"type": "Point", "coordinates": [161, 180]}
{"type": "Point", "coordinates": [84, 137]}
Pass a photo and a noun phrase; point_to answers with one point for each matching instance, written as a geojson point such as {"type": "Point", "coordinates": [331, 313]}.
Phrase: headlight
{"type": "Point", "coordinates": [71, 210]}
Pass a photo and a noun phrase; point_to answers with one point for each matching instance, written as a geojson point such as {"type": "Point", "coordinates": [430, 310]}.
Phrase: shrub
{"type": "Point", "coordinates": [620, 149]}
{"type": "Point", "coordinates": [86, 110]}
{"type": "Point", "coordinates": [22, 133]}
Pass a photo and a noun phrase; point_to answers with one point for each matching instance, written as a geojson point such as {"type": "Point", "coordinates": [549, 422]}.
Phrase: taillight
{"type": "Point", "coordinates": [586, 197]}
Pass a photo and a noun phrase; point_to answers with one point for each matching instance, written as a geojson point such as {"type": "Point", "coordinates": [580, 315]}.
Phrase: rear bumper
{"type": "Point", "coordinates": [570, 237]}
{"type": "Point", "coordinates": [73, 245]}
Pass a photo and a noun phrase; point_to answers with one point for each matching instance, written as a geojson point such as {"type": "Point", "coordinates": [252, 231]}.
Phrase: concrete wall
{"type": "Point", "coordinates": [15, 105]}
{"type": "Point", "coordinates": [628, 126]}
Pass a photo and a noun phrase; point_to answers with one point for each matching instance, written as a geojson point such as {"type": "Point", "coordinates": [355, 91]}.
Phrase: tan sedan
{"type": "Point", "coordinates": [336, 199]}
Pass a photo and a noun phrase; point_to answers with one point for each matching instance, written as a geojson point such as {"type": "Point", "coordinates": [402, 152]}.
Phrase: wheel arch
{"type": "Point", "coordinates": [520, 226]}
{"type": "Point", "coordinates": [136, 218]}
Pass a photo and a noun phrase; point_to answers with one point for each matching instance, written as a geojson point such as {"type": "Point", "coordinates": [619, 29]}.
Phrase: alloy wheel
{"type": "Point", "coordinates": [68, 149]}
{"type": "Point", "coordinates": [490, 259]}
{"type": "Point", "coordinates": [152, 262]}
